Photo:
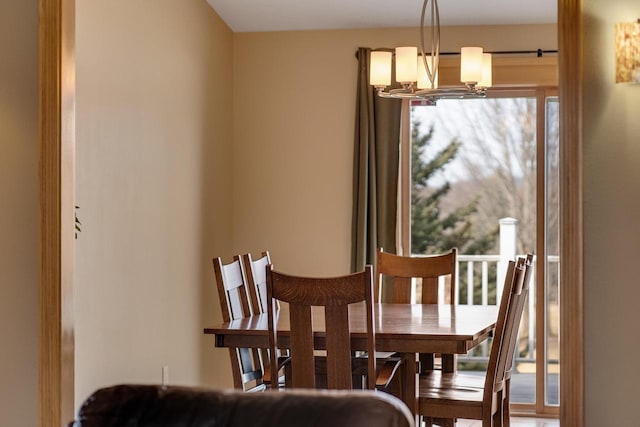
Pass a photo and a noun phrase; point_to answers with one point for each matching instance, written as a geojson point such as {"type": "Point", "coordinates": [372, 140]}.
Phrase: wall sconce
{"type": "Point", "coordinates": [628, 52]}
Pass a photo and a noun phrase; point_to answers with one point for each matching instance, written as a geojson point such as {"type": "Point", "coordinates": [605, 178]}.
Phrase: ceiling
{"type": "Point", "coordinates": [286, 15]}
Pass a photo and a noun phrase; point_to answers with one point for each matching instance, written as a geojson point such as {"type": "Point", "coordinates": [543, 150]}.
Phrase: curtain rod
{"type": "Point", "coordinates": [539, 52]}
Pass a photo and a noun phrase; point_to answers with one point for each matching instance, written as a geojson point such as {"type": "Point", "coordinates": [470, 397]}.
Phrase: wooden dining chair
{"type": "Point", "coordinates": [512, 347]}
{"type": "Point", "coordinates": [456, 395]}
{"type": "Point", "coordinates": [246, 363]}
{"type": "Point", "coordinates": [257, 280]}
{"type": "Point", "coordinates": [334, 295]}
{"type": "Point", "coordinates": [397, 272]}
{"type": "Point", "coordinates": [255, 270]}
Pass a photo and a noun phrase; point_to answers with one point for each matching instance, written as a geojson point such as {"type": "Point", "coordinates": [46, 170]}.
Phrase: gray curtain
{"type": "Point", "coordinates": [375, 170]}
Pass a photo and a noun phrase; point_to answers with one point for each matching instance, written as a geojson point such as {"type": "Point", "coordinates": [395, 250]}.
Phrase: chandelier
{"type": "Point", "coordinates": [418, 74]}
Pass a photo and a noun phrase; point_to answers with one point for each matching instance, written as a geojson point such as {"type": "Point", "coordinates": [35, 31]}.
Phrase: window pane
{"type": "Point", "coordinates": [473, 164]}
{"type": "Point", "coordinates": [552, 209]}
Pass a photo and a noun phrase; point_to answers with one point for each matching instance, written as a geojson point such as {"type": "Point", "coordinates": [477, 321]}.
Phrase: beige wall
{"type": "Point", "coordinates": [155, 172]}
{"type": "Point", "coordinates": [294, 109]}
{"type": "Point", "coordinates": [154, 188]}
{"type": "Point", "coordinates": [162, 189]}
{"type": "Point", "coordinates": [19, 213]}
{"type": "Point", "coordinates": [612, 231]}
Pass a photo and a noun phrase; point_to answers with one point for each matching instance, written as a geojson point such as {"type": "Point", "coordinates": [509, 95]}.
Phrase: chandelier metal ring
{"type": "Point", "coordinates": [418, 74]}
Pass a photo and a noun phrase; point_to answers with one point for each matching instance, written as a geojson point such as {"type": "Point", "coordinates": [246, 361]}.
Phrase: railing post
{"type": "Point", "coordinates": [508, 234]}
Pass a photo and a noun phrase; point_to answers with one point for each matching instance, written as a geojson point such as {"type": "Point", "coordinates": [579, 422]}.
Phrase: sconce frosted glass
{"type": "Point", "coordinates": [406, 64]}
{"type": "Point", "coordinates": [471, 65]}
{"type": "Point", "coordinates": [628, 52]}
{"type": "Point", "coordinates": [380, 69]}
{"type": "Point", "coordinates": [486, 80]}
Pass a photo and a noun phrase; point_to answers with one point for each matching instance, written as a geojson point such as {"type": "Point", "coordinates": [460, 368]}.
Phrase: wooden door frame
{"type": "Point", "coordinates": [57, 183]}
{"type": "Point", "coordinates": [570, 46]}
{"type": "Point", "coordinates": [56, 208]}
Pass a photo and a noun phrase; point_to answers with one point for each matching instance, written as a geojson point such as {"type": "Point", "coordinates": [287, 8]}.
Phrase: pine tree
{"type": "Point", "coordinates": [433, 231]}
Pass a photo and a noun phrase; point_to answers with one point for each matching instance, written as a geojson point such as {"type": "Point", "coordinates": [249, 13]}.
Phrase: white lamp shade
{"type": "Point", "coordinates": [486, 71]}
{"type": "Point", "coordinates": [406, 61]}
{"type": "Point", "coordinates": [423, 77]}
{"type": "Point", "coordinates": [471, 65]}
{"type": "Point", "coordinates": [380, 69]}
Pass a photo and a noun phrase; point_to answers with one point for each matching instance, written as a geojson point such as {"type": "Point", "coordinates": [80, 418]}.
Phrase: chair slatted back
{"type": "Point", "coordinates": [510, 311]}
{"type": "Point", "coordinates": [334, 294]}
{"type": "Point", "coordinates": [257, 283]}
{"type": "Point", "coordinates": [257, 280]}
{"type": "Point", "coordinates": [513, 333]}
{"type": "Point", "coordinates": [232, 291]}
{"type": "Point", "coordinates": [398, 271]}
{"type": "Point", "coordinates": [512, 339]}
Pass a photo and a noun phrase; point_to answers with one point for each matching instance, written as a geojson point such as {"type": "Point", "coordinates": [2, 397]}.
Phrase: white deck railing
{"type": "Point", "coordinates": [482, 277]}
{"type": "Point", "coordinates": [469, 266]}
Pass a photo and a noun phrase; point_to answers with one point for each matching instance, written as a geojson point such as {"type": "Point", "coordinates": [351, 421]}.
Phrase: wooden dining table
{"type": "Point", "coordinates": [406, 329]}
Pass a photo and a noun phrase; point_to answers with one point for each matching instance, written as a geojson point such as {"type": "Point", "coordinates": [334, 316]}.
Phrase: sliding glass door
{"type": "Point", "coordinates": [482, 175]}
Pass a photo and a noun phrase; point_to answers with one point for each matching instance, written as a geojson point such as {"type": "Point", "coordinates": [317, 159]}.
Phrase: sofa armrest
{"type": "Point", "coordinates": [157, 406]}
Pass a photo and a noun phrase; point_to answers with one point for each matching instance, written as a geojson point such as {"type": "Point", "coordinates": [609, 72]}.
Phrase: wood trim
{"type": "Point", "coordinates": [544, 409]}
{"type": "Point", "coordinates": [541, 248]}
{"type": "Point", "coordinates": [404, 191]}
{"type": "Point", "coordinates": [507, 71]}
{"type": "Point", "coordinates": [570, 46]}
{"type": "Point", "coordinates": [57, 147]}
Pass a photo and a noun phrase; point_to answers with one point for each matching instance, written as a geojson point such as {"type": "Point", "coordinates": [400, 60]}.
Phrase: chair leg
{"type": "Point", "coordinates": [506, 417]}
{"type": "Point", "coordinates": [287, 375]}
{"type": "Point", "coordinates": [426, 363]}
{"type": "Point", "coordinates": [496, 419]}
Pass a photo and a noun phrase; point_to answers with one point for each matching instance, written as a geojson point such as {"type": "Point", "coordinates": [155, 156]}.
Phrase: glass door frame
{"type": "Point", "coordinates": [540, 93]}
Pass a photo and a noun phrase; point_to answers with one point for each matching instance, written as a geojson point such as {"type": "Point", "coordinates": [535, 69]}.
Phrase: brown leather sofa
{"type": "Point", "coordinates": [157, 406]}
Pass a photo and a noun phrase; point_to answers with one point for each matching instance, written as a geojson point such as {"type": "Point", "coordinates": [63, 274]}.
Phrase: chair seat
{"type": "Point", "coordinates": [386, 368]}
{"type": "Point", "coordinates": [391, 358]}
{"type": "Point", "coordinates": [436, 385]}
{"type": "Point", "coordinates": [451, 395]}
{"type": "Point", "coordinates": [283, 363]}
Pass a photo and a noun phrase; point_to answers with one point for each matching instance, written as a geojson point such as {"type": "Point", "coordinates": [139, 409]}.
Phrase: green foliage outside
{"type": "Point", "coordinates": [434, 231]}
